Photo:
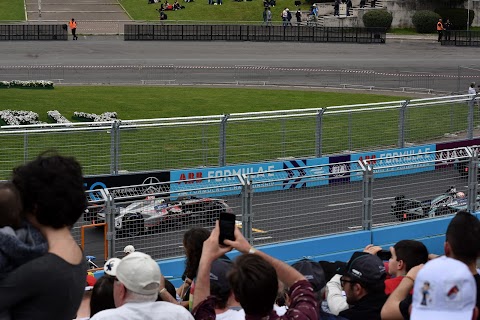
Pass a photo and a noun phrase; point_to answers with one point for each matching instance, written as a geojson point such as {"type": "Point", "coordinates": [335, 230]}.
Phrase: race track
{"type": "Point", "coordinates": [302, 213]}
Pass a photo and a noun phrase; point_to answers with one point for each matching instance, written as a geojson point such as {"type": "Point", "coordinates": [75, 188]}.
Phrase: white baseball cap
{"type": "Point", "coordinates": [110, 266]}
{"type": "Point", "coordinates": [139, 273]}
{"type": "Point", "coordinates": [444, 289]}
{"type": "Point", "coordinates": [129, 249]}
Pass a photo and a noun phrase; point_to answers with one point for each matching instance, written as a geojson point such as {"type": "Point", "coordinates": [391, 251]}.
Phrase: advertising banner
{"type": "Point", "coordinates": [339, 168]}
{"type": "Point", "coordinates": [128, 180]}
{"type": "Point", "coordinates": [265, 177]}
{"type": "Point", "coordinates": [400, 161]}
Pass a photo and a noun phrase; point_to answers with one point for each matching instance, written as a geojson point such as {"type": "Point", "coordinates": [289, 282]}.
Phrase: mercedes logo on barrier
{"type": "Point", "coordinates": [152, 189]}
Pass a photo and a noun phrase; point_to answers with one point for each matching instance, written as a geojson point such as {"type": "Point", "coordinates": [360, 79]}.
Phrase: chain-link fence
{"type": "Point", "coordinates": [189, 142]}
{"type": "Point", "coordinates": [393, 79]}
{"type": "Point", "coordinates": [311, 198]}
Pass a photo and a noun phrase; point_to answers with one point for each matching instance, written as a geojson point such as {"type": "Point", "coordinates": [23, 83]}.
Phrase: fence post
{"type": "Point", "coordinates": [318, 133]}
{"type": "Point", "coordinates": [401, 124]}
{"type": "Point", "coordinates": [223, 141]}
{"type": "Point", "coordinates": [472, 182]}
{"type": "Point", "coordinates": [25, 147]}
{"type": "Point", "coordinates": [114, 147]}
{"type": "Point", "coordinates": [471, 111]}
{"type": "Point", "coordinates": [110, 220]}
{"type": "Point", "coordinates": [247, 213]}
{"type": "Point", "coordinates": [367, 204]}
{"type": "Point", "coordinates": [350, 124]}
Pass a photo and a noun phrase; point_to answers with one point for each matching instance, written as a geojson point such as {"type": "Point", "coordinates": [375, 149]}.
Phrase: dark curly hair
{"type": "Point", "coordinates": [51, 188]}
{"type": "Point", "coordinates": [193, 242]}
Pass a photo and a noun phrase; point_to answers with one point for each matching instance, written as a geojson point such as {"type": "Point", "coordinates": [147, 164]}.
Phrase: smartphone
{"type": "Point", "coordinates": [384, 255]}
{"type": "Point", "coordinates": [227, 227]}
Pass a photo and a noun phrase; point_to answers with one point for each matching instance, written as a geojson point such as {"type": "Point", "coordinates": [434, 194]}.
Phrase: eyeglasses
{"type": "Point", "coordinates": [343, 281]}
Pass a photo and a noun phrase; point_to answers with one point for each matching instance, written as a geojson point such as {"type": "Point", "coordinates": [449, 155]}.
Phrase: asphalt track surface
{"type": "Point", "coordinates": [282, 215]}
{"type": "Point", "coordinates": [109, 59]}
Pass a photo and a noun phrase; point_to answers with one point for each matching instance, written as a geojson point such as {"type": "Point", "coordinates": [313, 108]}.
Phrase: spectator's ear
{"type": "Point", "coordinates": [475, 313]}
{"type": "Point", "coordinates": [447, 249]}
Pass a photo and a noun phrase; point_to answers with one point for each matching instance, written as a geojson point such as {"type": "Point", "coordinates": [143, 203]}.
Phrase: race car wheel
{"type": "Point", "coordinates": [443, 211]}
{"type": "Point", "coordinates": [133, 225]}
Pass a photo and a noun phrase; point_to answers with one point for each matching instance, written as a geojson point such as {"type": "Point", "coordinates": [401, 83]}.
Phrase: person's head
{"type": "Point", "coordinates": [254, 283]}
{"type": "Point", "coordinates": [110, 267]}
{"type": "Point", "coordinates": [314, 273]}
{"type": "Point", "coordinates": [128, 249]}
{"type": "Point", "coordinates": [193, 244]}
{"type": "Point", "coordinates": [444, 289]}
{"type": "Point", "coordinates": [137, 279]}
{"type": "Point", "coordinates": [462, 239]}
{"type": "Point", "coordinates": [73, 19]}
{"type": "Point", "coordinates": [10, 206]}
{"type": "Point", "coordinates": [472, 85]}
{"type": "Point", "coordinates": [219, 285]}
{"type": "Point", "coordinates": [363, 275]}
{"type": "Point", "coordinates": [51, 189]}
{"type": "Point", "coordinates": [406, 254]}
{"type": "Point", "coordinates": [102, 295]}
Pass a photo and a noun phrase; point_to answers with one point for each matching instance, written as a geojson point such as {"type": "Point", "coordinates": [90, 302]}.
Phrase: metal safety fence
{"type": "Point", "coordinates": [127, 146]}
{"type": "Point", "coordinates": [169, 32]}
{"type": "Point", "coordinates": [462, 38]}
{"type": "Point", "coordinates": [396, 79]}
{"type": "Point", "coordinates": [271, 206]}
{"type": "Point", "coordinates": [10, 32]}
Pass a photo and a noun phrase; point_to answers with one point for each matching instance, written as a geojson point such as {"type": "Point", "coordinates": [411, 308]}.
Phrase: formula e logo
{"type": "Point", "coordinates": [339, 170]}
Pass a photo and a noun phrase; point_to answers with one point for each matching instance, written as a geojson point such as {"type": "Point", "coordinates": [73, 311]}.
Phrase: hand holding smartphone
{"type": "Point", "coordinates": [227, 227]}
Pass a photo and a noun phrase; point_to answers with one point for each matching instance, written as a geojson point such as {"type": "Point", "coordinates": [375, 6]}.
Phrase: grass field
{"type": "Point", "coordinates": [191, 145]}
{"type": "Point", "coordinates": [12, 10]}
{"type": "Point", "coordinates": [200, 10]}
{"type": "Point", "coordinates": [163, 102]}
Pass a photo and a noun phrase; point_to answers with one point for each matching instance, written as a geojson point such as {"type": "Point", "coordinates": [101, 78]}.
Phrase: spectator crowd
{"type": "Point", "coordinates": [45, 273]}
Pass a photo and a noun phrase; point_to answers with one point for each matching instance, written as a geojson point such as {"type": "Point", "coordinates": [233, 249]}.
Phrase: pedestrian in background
{"type": "Point", "coordinates": [73, 27]}
{"type": "Point", "coordinates": [298, 15]}
{"type": "Point", "coordinates": [439, 29]}
{"type": "Point", "coordinates": [447, 26]}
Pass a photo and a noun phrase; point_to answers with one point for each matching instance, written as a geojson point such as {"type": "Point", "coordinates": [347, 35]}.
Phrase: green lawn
{"type": "Point", "coordinates": [12, 10]}
{"type": "Point", "coordinates": [200, 10]}
{"type": "Point", "coordinates": [191, 145]}
{"type": "Point", "coordinates": [181, 145]}
{"type": "Point", "coordinates": [161, 102]}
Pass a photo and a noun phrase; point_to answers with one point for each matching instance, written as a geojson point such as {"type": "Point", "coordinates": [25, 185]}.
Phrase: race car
{"type": "Point", "coordinates": [160, 214]}
{"type": "Point", "coordinates": [448, 203]}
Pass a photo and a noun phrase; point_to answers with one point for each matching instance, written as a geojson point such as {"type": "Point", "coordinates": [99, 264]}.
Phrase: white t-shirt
{"type": "Point", "coordinates": [159, 310]}
{"type": "Point", "coordinates": [231, 315]}
{"type": "Point", "coordinates": [472, 91]}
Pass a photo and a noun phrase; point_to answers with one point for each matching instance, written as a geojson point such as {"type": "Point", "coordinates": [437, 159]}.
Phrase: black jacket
{"type": "Point", "coordinates": [369, 307]}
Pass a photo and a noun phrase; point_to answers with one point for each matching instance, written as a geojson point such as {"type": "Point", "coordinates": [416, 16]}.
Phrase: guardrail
{"type": "Point", "coordinates": [462, 38]}
{"type": "Point", "coordinates": [252, 33]}
{"type": "Point", "coordinates": [318, 197]}
{"type": "Point", "coordinates": [11, 32]}
{"type": "Point", "coordinates": [129, 146]}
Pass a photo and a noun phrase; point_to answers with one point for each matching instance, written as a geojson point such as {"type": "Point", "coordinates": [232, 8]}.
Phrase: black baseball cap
{"type": "Point", "coordinates": [313, 272]}
{"type": "Point", "coordinates": [219, 275]}
{"type": "Point", "coordinates": [365, 268]}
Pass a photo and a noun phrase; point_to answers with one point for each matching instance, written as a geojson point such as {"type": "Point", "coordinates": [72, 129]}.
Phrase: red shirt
{"type": "Point", "coordinates": [392, 284]}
